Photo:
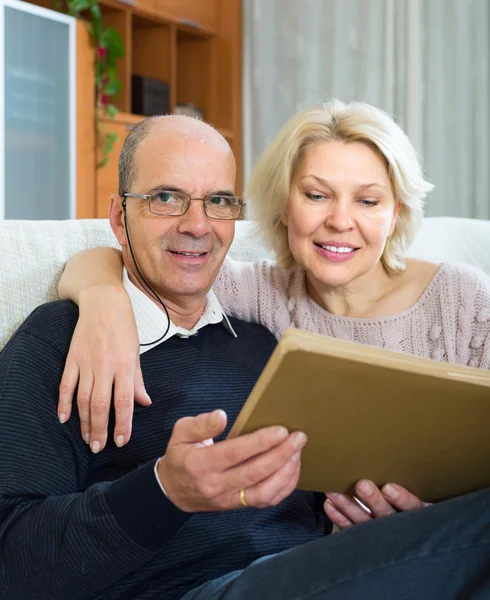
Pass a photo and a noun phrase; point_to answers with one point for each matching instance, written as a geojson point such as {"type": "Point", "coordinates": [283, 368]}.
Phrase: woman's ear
{"type": "Point", "coordinates": [394, 220]}
{"type": "Point", "coordinates": [284, 218]}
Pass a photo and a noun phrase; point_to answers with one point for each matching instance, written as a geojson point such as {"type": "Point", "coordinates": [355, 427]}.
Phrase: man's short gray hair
{"type": "Point", "coordinates": [126, 165]}
{"type": "Point", "coordinates": [191, 128]}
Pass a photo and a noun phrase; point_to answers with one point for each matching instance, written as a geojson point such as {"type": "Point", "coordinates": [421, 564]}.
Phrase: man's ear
{"type": "Point", "coordinates": [116, 219]}
{"type": "Point", "coordinates": [394, 220]}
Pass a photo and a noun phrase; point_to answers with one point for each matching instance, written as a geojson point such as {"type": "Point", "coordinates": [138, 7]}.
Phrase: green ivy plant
{"type": "Point", "coordinates": [108, 49]}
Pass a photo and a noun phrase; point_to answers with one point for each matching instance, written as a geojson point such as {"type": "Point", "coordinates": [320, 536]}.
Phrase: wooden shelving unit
{"type": "Point", "coordinates": [193, 45]}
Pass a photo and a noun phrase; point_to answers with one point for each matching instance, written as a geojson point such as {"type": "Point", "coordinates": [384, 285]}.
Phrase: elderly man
{"type": "Point", "coordinates": [163, 517]}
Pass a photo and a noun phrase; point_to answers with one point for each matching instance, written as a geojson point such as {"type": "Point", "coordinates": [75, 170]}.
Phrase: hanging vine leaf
{"type": "Point", "coordinates": [111, 111]}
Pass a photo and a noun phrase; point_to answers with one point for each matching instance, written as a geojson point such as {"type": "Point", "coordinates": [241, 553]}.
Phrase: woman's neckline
{"type": "Point", "coordinates": [367, 321]}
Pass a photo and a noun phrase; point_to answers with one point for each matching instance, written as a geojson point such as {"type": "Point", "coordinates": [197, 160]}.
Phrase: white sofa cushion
{"type": "Point", "coordinates": [454, 239]}
{"type": "Point", "coordinates": [32, 255]}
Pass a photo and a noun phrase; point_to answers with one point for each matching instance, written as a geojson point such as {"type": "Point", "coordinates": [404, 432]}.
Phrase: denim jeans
{"type": "Point", "coordinates": [441, 552]}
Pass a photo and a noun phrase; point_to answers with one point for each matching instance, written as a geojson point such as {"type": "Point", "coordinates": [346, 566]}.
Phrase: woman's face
{"type": "Point", "coordinates": [340, 212]}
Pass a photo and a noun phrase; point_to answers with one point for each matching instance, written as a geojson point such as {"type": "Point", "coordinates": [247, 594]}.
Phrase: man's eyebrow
{"type": "Point", "coordinates": [169, 188]}
{"type": "Point", "coordinates": [221, 193]}
{"type": "Point", "coordinates": [173, 188]}
{"type": "Point", "coordinates": [362, 186]}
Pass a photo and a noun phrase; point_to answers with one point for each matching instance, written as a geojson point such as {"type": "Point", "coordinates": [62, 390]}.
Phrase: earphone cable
{"type": "Point", "coordinates": [144, 282]}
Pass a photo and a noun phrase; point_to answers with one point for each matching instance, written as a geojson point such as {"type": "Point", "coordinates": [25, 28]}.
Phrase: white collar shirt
{"type": "Point", "coordinates": [152, 322]}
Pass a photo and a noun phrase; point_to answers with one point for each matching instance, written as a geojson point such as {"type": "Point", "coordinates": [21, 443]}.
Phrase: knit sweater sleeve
{"type": "Point", "coordinates": [476, 309]}
{"type": "Point", "coordinates": [256, 292]}
{"type": "Point", "coordinates": [465, 314]}
{"type": "Point", "coordinates": [59, 538]}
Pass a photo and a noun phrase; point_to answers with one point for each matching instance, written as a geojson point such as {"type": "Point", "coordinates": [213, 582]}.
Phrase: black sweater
{"type": "Point", "coordinates": [77, 525]}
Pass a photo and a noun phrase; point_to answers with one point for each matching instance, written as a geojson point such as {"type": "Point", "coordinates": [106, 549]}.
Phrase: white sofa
{"type": "Point", "coordinates": [32, 255]}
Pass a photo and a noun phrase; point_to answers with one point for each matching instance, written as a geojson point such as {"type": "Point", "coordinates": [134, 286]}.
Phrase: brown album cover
{"type": "Point", "coordinates": [376, 414]}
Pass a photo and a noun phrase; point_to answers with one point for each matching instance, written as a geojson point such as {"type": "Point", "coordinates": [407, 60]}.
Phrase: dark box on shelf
{"type": "Point", "coordinates": [149, 96]}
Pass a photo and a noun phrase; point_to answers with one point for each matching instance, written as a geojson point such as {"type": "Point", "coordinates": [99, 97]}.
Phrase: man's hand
{"type": "Point", "coordinates": [344, 510]}
{"type": "Point", "coordinates": [201, 476]}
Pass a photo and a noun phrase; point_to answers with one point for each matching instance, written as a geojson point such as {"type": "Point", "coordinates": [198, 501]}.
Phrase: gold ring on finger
{"type": "Point", "coordinates": [241, 495]}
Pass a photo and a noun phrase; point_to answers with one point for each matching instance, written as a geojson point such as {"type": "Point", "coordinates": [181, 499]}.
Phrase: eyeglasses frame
{"type": "Point", "coordinates": [203, 200]}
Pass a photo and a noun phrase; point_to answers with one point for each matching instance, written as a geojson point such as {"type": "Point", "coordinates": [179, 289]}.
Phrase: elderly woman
{"type": "Point", "coordinates": [338, 195]}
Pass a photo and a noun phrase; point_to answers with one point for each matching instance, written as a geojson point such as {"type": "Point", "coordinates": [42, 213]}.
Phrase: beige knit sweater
{"type": "Point", "coordinates": [449, 322]}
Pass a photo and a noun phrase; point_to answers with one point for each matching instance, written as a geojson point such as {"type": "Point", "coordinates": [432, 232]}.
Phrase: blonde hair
{"type": "Point", "coordinates": [268, 188]}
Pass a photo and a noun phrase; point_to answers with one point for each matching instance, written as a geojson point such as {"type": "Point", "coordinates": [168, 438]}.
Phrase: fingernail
{"type": "Point", "coordinates": [365, 487]}
{"type": "Point", "coordinates": [149, 399]}
{"type": "Point", "coordinates": [299, 440]}
{"type": "Point", "coordinates": [295, 458]}
{"type": "Point", "coordinates": [62, 418]}
{"type": "Point", "coordinates": [390, 491]}
{"type": "Point", "coordinates": [95, 447]}
{"type": "Point", "coordinates": [280, 433]}
{"type": "Point", "coordinates": [213, 419]}
{"type": "Point", "coordinates": [86, 437]}
{"type": "Point", "coordinates": [120, 441]}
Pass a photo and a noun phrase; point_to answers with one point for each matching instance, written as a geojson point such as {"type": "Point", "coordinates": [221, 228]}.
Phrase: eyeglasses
{"type": "Point", "coordinates": [167, 203]}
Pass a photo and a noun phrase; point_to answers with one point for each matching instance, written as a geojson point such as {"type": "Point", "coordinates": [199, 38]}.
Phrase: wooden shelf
{"type": "Point", "coordinates": [198, 14]}
{"type": "Point", "coordinates": [123, 117]}
{"type": "Point", "coordinates": [187, 29]}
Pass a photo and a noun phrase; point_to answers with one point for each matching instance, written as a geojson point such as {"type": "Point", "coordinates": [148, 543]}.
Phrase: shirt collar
{"type": "Point", "coordinates": [152, 322]}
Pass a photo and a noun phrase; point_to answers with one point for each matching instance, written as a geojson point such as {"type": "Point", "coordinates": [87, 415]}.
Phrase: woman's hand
{"type": "Point", "coordinates": [103, 355]}
{"type": "Point", "coordinates": [344, 510]}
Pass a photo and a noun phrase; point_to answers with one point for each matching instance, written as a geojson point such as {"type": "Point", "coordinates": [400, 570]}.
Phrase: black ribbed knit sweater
{"type": "Point", "coordinates": [74, 525]}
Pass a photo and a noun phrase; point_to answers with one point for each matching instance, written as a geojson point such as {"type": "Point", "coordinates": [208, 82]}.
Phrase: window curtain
{"type": "Point", "coordinates": [426, 62]}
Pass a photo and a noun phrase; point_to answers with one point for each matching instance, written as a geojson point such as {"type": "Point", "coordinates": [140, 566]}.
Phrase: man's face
{"type": "Point", "coordinates": [179, 256]}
